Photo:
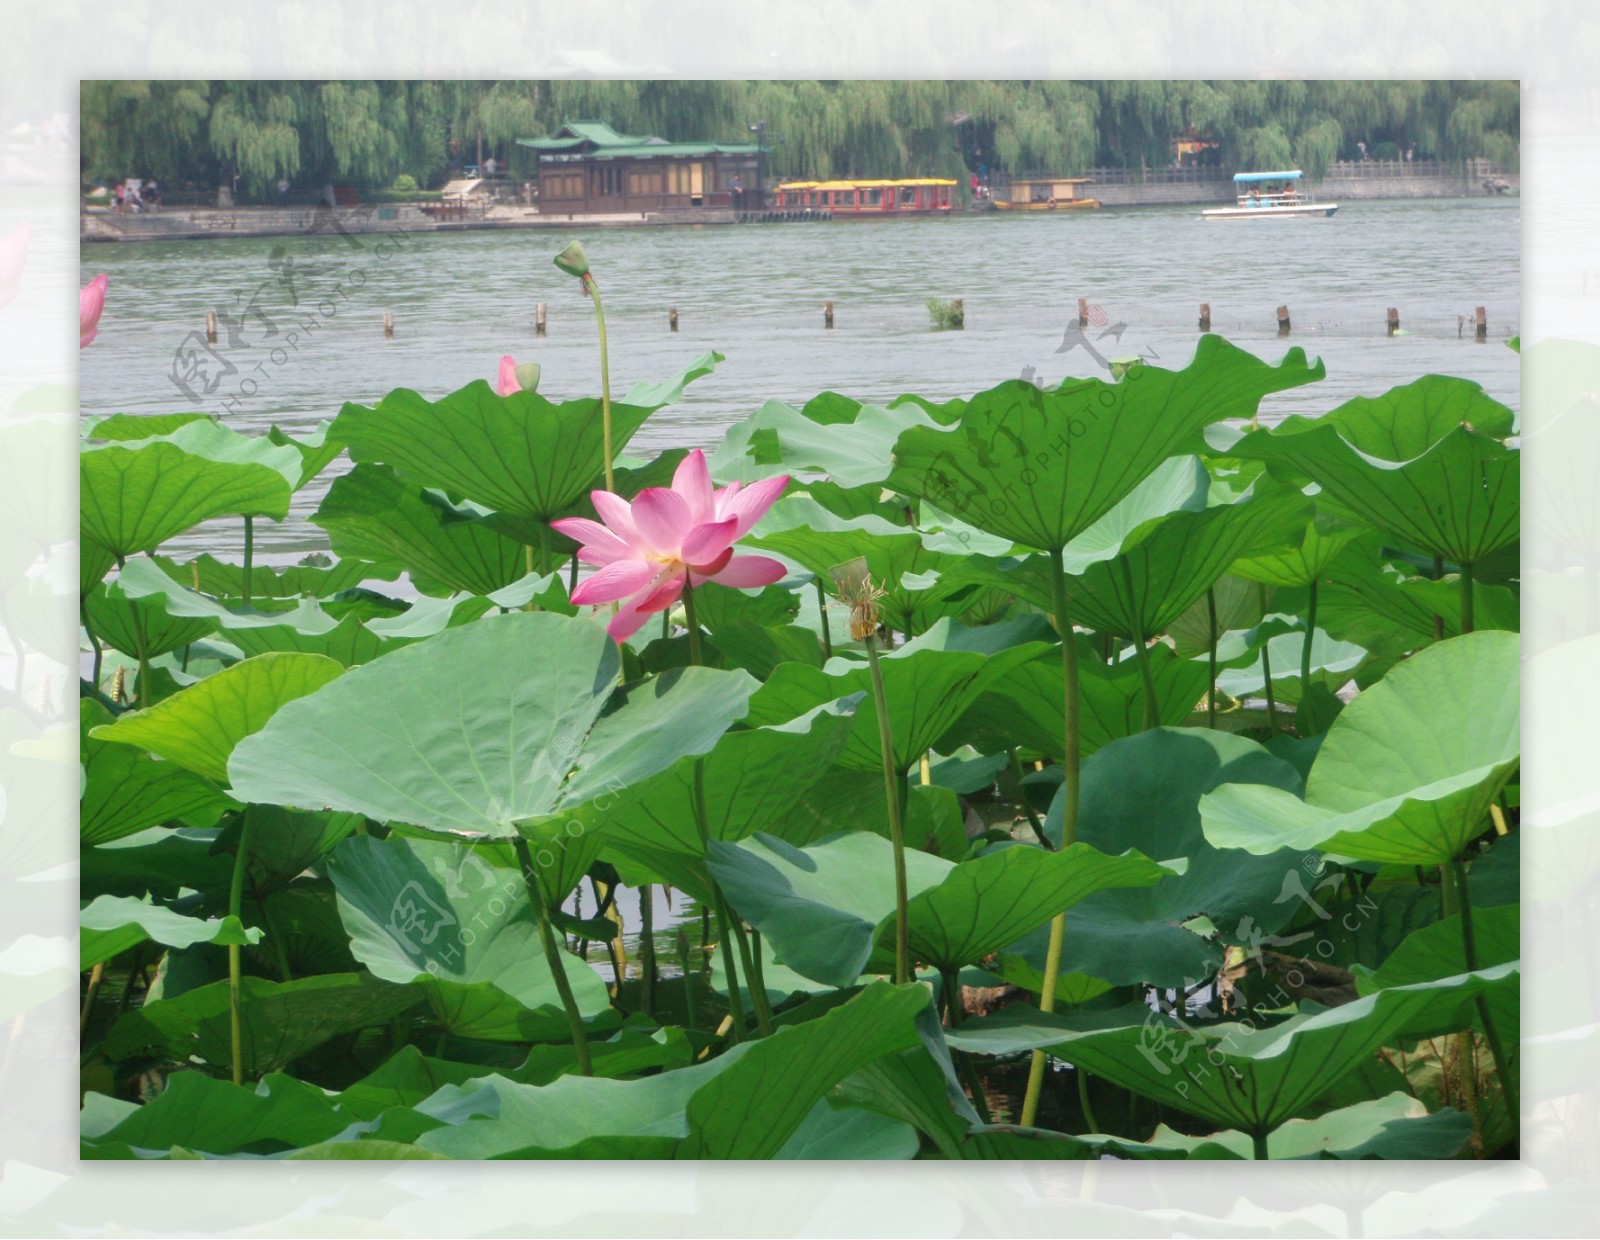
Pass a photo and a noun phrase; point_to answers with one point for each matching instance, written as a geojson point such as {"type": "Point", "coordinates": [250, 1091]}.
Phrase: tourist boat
{"type": "Point", "coordinates": [1269, 195]}
{"type": "Point", "coordinates": [1044, 194]}
{"type": "Point", "coordinates": [864, 200]}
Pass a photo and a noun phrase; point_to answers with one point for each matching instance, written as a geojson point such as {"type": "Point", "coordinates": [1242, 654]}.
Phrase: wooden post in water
{"type": "Point", "coordinates": [1480, 325]}
{"type": "Point", "coordinates": [1205, 316]}
{"type": "Point", "coordinates": [1283, 320]}
{"type": "Point", "coordinates": [672, 318]}
{"type": "Point", "coordinates": [1083, 312]}
{"type": "Point", "coordinates": [388, 324]}
{"type": "Point", "coordinates": [1394, 321]}
{"type": "Point", "coordinates": [538, 319]}
{"type": "Point", "coordinates": [211, 327]}
{"type": "Point", "coordinates": [827, 314]}
{"type": "Point", "coordinates": [958, 313]}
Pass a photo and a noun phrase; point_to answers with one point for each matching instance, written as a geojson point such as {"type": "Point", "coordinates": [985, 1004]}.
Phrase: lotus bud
{"type": "Point", "coordinates": [574, 261]}
{"type": "Point", "coordinates": [528, 376]}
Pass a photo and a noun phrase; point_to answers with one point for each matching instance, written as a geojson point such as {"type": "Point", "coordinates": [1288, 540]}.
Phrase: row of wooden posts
{"type": "Point", "coordinates": [1480, 322]}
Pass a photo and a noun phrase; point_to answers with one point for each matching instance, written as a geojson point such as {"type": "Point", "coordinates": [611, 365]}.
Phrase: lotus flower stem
{"type": "Point", "coordinates": [241, 860]}
{"type": "Point", "coordinates": [1211, 656]}
{"type": "Point", "coordinates": [1069, 813]}
{"type": "Point", "coordinates": [553, 957]}
{"type": "Point", "coordinates": [249, 554]}
{"type": "Point", "coordinates": [822, 607]}
{"type": "Point", "coordinates": [605, 379]}
{"type": "Point", "coordinates": [1266, 670]}
{"type": "Point", "coordinates": [897, 834]}
{"type": "Point", "coordinates": [1305, 649]}
{"type": "Point", "coordinates": [693, 626]}
{"type": "Point", "coordinates": [1456, 873]}
{"type": "Point", "coordinates": [1466, 597]}
{"type": "Point", "coordinates": [752, 974]}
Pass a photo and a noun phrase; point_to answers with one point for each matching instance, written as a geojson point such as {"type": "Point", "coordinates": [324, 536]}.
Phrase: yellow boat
{"type": "Point", "coordinates": [1045, 194]}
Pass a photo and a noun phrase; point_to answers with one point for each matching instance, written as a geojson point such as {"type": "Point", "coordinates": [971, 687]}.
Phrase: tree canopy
{"type": "Point", "coordinates": [366, 133]}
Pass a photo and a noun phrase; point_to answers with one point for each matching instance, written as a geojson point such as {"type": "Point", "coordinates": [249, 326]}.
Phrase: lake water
{"type": "Point", "coordinates": [755, 293]}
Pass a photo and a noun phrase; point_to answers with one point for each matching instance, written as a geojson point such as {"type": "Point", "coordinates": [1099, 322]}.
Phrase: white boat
{"type": "Point", "coordinates": [1269, 195]}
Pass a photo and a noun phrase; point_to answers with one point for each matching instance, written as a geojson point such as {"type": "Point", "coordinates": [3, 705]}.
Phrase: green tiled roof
{"type": "Point", "coordinates": [609, 144]}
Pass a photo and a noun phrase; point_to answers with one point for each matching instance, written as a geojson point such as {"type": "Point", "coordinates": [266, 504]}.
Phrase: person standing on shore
{"type": "Point", "coordinates": [738, 194]}
{"type": "Point", "coordinates": [121, 194]}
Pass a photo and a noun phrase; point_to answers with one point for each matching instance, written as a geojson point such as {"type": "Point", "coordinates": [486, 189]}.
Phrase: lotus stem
{"type": "Point", "coordinates": [822, 607]}
{"type": "Point", "coordinates": [1305, 649]}
{"type": "Point", "coordinates": [954, 1014]}
{"type": "Point", "coordinates": [692, 625]}
{"type": "Point", "coordinates": [647, 948]}
{"type": "Point", "coordinates": [546, 565]}
{"type": "Point", "coordinates": [1438, 620]}
{"type": "Point", "coordinates": [241, 861]}
{"type": "Point", "coordinates": [688, 980]}
{"type": "Point", "coordinates": [1152, 703]}
{"type": "Point", "coordinates": [605, 379]}
{"type": "Point", "coordinates": [1502, 1064]}
{"type": "Point", "coordinates": [93, 989]}
{"type": "Point", "coordinates": [553, 957]}
{"type": "Point", "coordinates": [1069, 814]}
{"type": "Point", "coordinates": [758, 993]}
{"type": "Point", "coordinates": [1466, 597]}
{"type": "Point", "coordinates": [1258, 1141]}
{"type": "Point", "coordinates": [94, 642]}
{"type": "Point", "coordinates": [1211, 653]}
{"type": "Point", "coordinates": [897, 835]}
{"type": "Point", "coordinates": [1022, 796]}
{"type": "Point", "coordinates": [1083, 1098]}
{"type": "Point", "coordinates": [249, 554]}
{"type": "Point", "coordinates": [1266, 669]}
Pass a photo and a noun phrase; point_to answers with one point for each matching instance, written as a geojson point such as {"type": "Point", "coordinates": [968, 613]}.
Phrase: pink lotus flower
{"type": "Point", "coordinates": [667, 538]}
{"type": "Point", "coordinates": [508, 376]}
{"type": "Point", "coordinates": [91, 301]}
{"type": "Point", "coordinates": [13, 255]}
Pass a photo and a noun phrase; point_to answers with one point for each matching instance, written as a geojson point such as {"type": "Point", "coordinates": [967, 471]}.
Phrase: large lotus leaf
{"type": "Point", "coordinates": [1460, 499]}
{"type": "Point", "coordinates": [1438, 950]}
{"type": "Point", "coordinates": [520, 454]}
{"type": "Point", "coordinates": [125, 790]}
{"type": "Point", "coordinates": [1230, 603]}
{"type": "Point", "coordinates": [316, 447]}
{"type": "Point", "coordinates": [1231, 1073]}
{"type": "Point", "coordinates": [929, 682]}
{"type": "Point", "coordinates": [1172, 561]}
{"type": "Point", "coordinates": [1396, 1127]}
{"type": "Point", "coordinates": [983, 904]}
{"type": "Point", "coordinates": [852, 446]}
{"type": "Point", "coordinates": [158, 862]}
{"type": "Point", "coordinates": [373, 514]}
{"type": "Point", "coordinates": [1333, 663]}
{"type": "Point", "coordinates": [1408, 420]}
{"type": "Point", "coordinates": [750, 782]}
{"type": "Point", "coordinates": [128, 427]}
{"type": "Point", "coordinates": [198, 1112]}
{"type": "Point", "coordinates": [484, 727]}
{"type": "Point", "coordinates": [137, 627]}
{"type": "Point", "coordinates": [201, 725]}
{"type": "Point", "coordinates": [819, 906]}
{"type": "Point", "coordinates": [1136, 934]}
{"type": "Point", "coordinates": [1041, 467]}
{"type": "Point", "coordinates": [205, 574]}
{"type": "Point", "coordinates": [751, 1110]}
{"type": "Point", "coordinates": [280, 1020]}
{"type": "Point", "coordinates": [420, 911]}
{"type": "Point", "coordinates": [1023, 707]}
{"type": "Point", "coordinates": [1372, 605]}
{"type": "Point", "coordinates": [1408, 770]}
{"type": "Point", "coordinates": [284, 843]}
{"type": "Point", "coordinates": [1309, 556]}
{"type": "Point", "coordinates": [110, 925]}
{"type": "Point", "coordinates": [135, 496]}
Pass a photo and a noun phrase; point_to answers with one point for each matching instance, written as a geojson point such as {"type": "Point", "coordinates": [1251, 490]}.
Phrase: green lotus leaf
{"type": "Point", "coordinates": [1040, 467]}
{"type": "Point", "coordinates": [316, 447]}
{"type": "Point", "coordinates": [1408, 770]}
{"type": "Point", "coordinates": [373, 514]}
{"type": "Point", "coordinates": [135, 496]}
{"type": "Point", "coordinates": [136, 627]}
{"type": "Point", "coordinates": [929, 682]}
{"type": "Point", "coordinates": [520, 454]}
{"type": "Point", "coordinates": [281, 1020]}
{"type": "Point", "coordinates": [125, 790]}
{"type": "Point", "coordinates": [1408, 420]}
{"type": "Point", "coordinates": [750, 781]}
{"type": "Point", "coordinates": [110, 925]}
{"type": "Point", "coordinates": [205, 574]}
{"type": "Point", "coordinates": [854, 451]}
{"type": "Point", "coordinates": [983, 904]}
{"type": "Point", "coordinates": [1023, 706]}
{"type": "Point", "coordinates": [128, 427]}
{"type": "Point", "coordinates": [820, 906]}
{"type": "Point", "coordinates": [1461, 498]}
{"type": "Point", "coordinates": [500, 727]}
{"type": "Point", "coordinates": [432, 913]}
{"type": "Point", "coordinates": [1396, 1127]}
{"type": "Point", "coordinates": [1438, 951]}
{"type": "Point", "coordinates": [1136, 934]}
{"type": "Point", "coordinates": [1308, 557]}
{"type": "Point", "coordinates": [1230, 1073]}
{"type": "Point", "coordinates": [1238, 604]}
{"type": "Point", "coordinates": [200, 726]}
{"type": "Point", "coordinates": [1333, 664]}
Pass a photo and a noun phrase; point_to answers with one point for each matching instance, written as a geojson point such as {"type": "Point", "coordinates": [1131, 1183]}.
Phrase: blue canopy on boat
{"type": "Point", "coordinates": [1267, 176]}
